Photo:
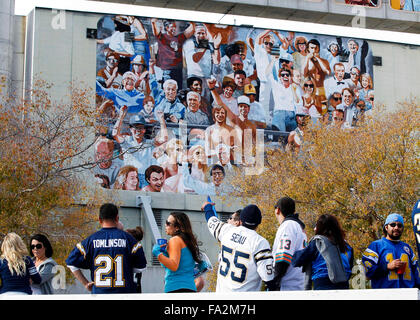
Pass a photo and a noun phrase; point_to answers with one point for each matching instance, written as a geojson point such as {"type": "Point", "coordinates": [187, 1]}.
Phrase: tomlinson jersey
{"type": "Point", "coordinates": [245, 257]}
{"type": "Point", "coordinates": [111, 255]}
{"type": "Point", "coordinates": [290, 238]}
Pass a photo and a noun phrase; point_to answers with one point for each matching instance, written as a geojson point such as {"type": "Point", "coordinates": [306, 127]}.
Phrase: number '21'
{"type": "Point", "coordinates": [106, 265]}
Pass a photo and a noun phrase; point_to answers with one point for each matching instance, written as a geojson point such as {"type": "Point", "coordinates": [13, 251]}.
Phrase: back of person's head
{"type": "Point", "coordinates": [137, 233]}
{"type": "Point", "coordinates": [328, 225]}
{"type": "Point", "coordinates": [13, 250]}
{"type": "Point", "coordinates": [45, 242]}
{"type": "Point", "coordinates": [251, 216]}
{"type": "Point", "coordinates": [286, 206]}
{"type": "Point", "coordinates": [108, 211]}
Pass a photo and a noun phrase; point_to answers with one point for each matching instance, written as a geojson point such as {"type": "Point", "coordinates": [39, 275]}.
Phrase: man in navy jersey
{"type": "Point", "coordinates": [112, 256]}
{"type": "Point", "coordinates": [390, 262]}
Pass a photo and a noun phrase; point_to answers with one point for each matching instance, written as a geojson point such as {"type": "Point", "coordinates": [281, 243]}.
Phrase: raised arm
{"type": "Point", "coordinates": [116, 131]}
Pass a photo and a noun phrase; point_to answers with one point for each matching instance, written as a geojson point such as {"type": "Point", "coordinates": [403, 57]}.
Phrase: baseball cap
{"type": "Point", "coordinates": [243, 99]}
{"type": "Point", "coordinates": [251, 216]}
{"type": "Point", "coordinates": [249, 89]}
{"type": "Point", "coordinates": [394, 217]}
{"type": "Point", "coordinates": [137, 119]}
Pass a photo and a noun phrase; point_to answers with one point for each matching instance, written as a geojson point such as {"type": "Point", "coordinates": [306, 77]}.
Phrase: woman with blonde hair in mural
{"type": "Point", "coordinates": [127, 179]}
{"type": "Point", "coordinates": [16, 267]}
{"type": "Point", "coordinates": [367, 85]}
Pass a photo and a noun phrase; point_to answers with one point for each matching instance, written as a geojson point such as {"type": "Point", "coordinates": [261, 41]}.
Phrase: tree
{"type": "Point", "coordinates": [359, 174]}
{"type": "Point", "coordinates": [45, 146]}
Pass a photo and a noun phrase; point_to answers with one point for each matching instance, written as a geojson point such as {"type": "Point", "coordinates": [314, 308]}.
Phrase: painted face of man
{"type": "Point", "coordinates": [170, 92]}
{"type": "Point", "coordinates": [347, 98]}
{"type": "Point", "coordinates": [339, 72]}
{"type": "Point", "coordinates": [193, 102]}
{"type": "Point", "coordinates": [200, 33]}
{"type": "Point", "coordinates": [104, 154]}
{"type": "Point", "coordinates": [239, 80]}
{"type": "Point", "coordinates": [243, 109]}
{"type": "Point", "coordinates": [217, 177]}
{"type": "Point", "coordinates": [156, 181]}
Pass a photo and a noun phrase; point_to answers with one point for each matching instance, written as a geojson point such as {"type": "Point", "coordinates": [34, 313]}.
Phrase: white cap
{"type": "Point", "coordinates": [243, 99]}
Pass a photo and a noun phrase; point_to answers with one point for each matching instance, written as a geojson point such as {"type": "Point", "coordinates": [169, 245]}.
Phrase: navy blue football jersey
{"type": "Point", "coordinates": [415, 218]}
{"type": "Point", "coordinates": [111, 255]}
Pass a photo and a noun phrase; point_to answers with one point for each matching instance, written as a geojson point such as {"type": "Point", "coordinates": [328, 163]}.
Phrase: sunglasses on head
{"type": "Point", "coordinates": [37, 246]}
{"type": "Point", "coordinates": [393, 224]}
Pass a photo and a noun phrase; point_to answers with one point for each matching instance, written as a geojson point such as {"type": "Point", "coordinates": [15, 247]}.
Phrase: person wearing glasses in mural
{"type": "Point", "coordinates": [180, 255]}
{"type": "Point", "coordinates": [390, 262]}
{"type": "Point", "coordinates": [316, 67]}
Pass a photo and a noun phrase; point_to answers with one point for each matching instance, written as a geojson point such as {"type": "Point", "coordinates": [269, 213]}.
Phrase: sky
{"type": "Point", "coordinates": [23, 7]}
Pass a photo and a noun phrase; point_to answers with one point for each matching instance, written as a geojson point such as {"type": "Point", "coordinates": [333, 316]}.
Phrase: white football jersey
{"type": "Point", "coordinates": [245, 258]}
{"type": "Point", "coordinates": [290, 238]}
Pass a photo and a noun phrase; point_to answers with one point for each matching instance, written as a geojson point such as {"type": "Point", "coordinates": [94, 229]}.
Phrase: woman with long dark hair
{"type": "Point", "coordinates": [41, 253]}
{"type": "Point", "coordinates": [181, 254]}
{"type": "Point", "coordinates": [328, 258]}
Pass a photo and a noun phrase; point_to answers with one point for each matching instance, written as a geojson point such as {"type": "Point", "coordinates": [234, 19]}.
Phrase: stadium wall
{"type": "Point", "coordinates": [58, 50]}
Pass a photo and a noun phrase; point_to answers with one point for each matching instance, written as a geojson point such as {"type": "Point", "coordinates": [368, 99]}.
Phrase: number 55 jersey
{"type": "Point", "coordinates": [112, 256]}
{"type": "Point", "coordinates": [245, 259]}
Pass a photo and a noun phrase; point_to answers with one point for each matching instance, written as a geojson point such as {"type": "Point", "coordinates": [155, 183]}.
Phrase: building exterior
{"type": "Point", "coordinates": [61, 45]}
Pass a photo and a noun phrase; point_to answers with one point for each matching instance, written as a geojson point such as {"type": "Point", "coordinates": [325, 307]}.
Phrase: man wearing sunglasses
{"type": "Point", "coordinates": [390, 262]}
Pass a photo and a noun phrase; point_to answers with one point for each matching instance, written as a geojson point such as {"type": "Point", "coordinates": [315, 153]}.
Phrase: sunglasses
{"type": "Point", "coordinates": [285, 75]}
{"type": "Point", "coordinates": [393, 224]}
{"type": "Point", "coordinates": [168, 224]}
{"type": "Point", "coordinates": [37, 246]}
{"type": "Point", "coordinates": [308, 85]}
{"type": "Point", "coordinates": [337, 99]}
{"type": "Point", "coordinates": [269, 44]}
{"type": "Point", "coordinates": [338, 119]}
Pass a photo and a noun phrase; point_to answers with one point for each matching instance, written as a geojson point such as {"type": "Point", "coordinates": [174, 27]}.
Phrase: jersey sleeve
{"type": "Point", "coordinates": [77, 258]}
{"type": "Point", "coordinates": [138, 258]}
{"type": "Point", "coordinates": [217, 228]}
{"type": "Point", "coordinates": [264, 260]}
{"type": "Point", "coordinates": [371, 262]}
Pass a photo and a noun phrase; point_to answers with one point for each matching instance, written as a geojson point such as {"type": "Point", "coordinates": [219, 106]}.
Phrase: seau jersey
{"type": "Point", "coordinates": [245, 258]}
{"type": "Point", "coordinates": [383, 251]}
{"type": "Point", "coordinates": [290, 238]}
{"type": "Point", "coordinates": [111, 255]}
